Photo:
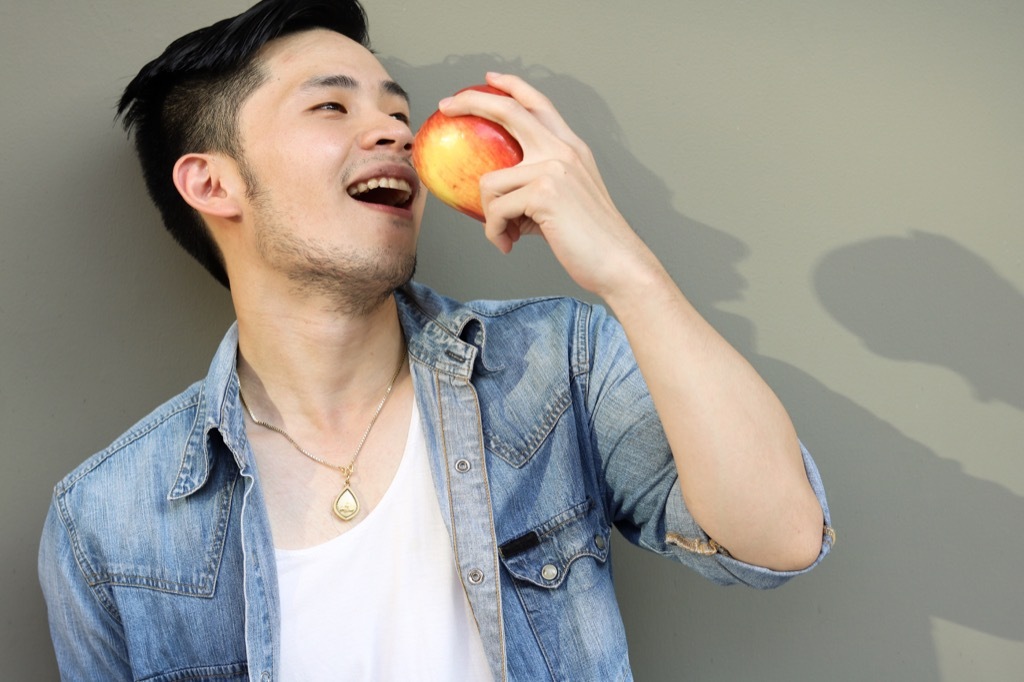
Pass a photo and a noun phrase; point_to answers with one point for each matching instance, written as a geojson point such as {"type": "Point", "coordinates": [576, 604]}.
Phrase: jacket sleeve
{"type": "Point", "coordinates": [87, 637]}
{"type": "Point", "coordinates": [642, 492]}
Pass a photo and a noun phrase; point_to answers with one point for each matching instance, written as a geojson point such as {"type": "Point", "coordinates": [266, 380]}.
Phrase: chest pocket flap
{"type": "Point", "coordinates": [544, 556]}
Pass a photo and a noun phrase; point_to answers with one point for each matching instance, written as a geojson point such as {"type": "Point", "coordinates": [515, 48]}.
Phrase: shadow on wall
{"type": "Point", "coordinates": [452, 243]}
{"type": "Point", "coordinates": [925, 298]}
{"type": "Point", "coordinates": [918, 538]}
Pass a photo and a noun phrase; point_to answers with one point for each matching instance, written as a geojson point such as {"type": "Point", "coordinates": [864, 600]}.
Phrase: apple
{"type": "Point", "coordinates": [450, 154]}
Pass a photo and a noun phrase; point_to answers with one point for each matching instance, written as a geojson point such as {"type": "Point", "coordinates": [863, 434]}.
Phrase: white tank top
{"type": "Point", "coordinates": [382, 601]}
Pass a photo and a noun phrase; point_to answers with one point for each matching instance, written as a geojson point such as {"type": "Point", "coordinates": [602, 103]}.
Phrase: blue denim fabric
{"type": "Point", "coordinates": [157, 561]}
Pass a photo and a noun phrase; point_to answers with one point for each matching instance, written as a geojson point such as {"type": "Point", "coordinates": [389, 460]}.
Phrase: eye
{"type": "Point", "coordinates": [399, 116]}
{"type": "Point", "coordinates": [332, 106]}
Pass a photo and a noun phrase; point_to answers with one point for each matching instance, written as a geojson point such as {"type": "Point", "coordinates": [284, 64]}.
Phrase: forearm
{"type": "Point", "coordinates": [739, 461]}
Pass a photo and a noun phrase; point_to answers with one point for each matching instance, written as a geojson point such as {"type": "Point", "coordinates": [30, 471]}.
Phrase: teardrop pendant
{"type": "Point", "coordinates": [346, 506]}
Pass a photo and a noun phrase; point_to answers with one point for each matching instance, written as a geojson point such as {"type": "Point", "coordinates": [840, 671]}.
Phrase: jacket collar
{"type": "Point", "coordinates": [218, 421]}
{"type": "Point", "coordinates": [441, 333]}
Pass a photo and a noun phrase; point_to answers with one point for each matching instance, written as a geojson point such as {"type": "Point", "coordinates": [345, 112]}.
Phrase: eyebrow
{"type": "Point", "coordinates": [349, 83]}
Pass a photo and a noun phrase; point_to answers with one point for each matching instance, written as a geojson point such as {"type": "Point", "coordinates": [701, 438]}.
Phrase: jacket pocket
{"type": "Point", "coordinates": [561, 578]}
{"type": "Point", "coordinates": [546, 555]}
{"type": "Point", "coordinates": [234, 672]}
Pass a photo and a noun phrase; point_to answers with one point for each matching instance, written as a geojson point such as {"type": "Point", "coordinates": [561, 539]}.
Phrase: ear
{"type": "Point", "coordinates": [210, 184]}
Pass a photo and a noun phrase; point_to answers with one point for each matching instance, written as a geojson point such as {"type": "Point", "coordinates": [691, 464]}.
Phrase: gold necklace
{"type": "Point", "coordinates": [346, 504]}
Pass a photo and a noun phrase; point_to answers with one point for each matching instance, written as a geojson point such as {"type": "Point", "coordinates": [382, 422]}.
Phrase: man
{"type": "Point", "coordinates": [376, 482]}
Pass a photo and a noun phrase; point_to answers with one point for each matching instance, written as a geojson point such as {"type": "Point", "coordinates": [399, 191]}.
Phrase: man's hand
{"type": "Point", "coordinates": [556, 191]}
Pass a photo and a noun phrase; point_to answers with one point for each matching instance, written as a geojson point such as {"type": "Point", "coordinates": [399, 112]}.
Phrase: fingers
{"type": "Point", "coordinates": [527, 114]}
{"type": "Point", "coordinates": [526, 199]}
{"type": "Point", "coordinates": [556, 190]}
{"type": "Point", "coordinates": [535, 102]}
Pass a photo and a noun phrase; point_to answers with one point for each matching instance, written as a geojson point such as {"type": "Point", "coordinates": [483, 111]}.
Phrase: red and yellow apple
{"type": "Point", "coordinates": [451, 153]}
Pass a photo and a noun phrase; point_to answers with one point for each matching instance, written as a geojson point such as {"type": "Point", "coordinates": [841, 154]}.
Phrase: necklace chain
{"type": "Point", "coordinates": [346, 470]}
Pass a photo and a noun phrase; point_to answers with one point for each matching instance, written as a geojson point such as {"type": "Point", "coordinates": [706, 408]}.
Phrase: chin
{"type": "Point", "coordinates": [362, 290]}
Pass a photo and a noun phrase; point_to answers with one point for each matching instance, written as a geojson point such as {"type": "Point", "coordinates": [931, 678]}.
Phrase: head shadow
{"type": "Point", "coordinates": [925, 298]}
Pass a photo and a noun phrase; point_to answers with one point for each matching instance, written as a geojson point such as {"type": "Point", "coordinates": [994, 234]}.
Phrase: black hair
{"type": "Point", "coordinates": [187, 100]}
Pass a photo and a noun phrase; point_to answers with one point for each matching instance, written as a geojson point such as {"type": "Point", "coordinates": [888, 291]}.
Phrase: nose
{"type": "Point", "coordinates": [387, 132]}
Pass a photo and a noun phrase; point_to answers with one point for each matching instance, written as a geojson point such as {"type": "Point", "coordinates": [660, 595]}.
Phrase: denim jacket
{"type": "Point", "coordinates": [157, 561]}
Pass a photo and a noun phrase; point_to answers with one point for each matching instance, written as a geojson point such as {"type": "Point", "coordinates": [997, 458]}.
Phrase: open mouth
{"type": "Point", "coordinates": [384, 191]}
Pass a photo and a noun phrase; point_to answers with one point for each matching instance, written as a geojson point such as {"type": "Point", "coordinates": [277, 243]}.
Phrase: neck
{"type": "Point", "coordinates": [311, 364]}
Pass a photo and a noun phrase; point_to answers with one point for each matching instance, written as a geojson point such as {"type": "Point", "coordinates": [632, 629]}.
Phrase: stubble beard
{"type": "Point", "coordinates": [352, 282]}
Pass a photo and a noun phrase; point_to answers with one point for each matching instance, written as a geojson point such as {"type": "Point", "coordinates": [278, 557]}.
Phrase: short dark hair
{"type": "Point", "coordinates": [187, 100]}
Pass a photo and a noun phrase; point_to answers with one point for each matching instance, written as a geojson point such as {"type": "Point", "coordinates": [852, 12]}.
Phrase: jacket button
{"type": "Point", "coordinates": [463, 466]}
{"type": "Point", "coordinates": [549, 572]}
{"type": "Point", "coordinates": [599, 541]}
{"type": "Point", "coordinates": [475, 576]}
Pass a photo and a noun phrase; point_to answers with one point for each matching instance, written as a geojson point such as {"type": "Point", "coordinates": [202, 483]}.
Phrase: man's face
{"type": "Point", "coordinates": [326, 146]}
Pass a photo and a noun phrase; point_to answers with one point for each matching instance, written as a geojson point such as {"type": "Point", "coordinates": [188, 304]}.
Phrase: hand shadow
{"type": "Point", "coordinates": [918, 538]}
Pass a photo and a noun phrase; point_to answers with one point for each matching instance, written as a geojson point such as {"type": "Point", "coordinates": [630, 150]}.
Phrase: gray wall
{"type": "Point", "coordinates": [839, 186]}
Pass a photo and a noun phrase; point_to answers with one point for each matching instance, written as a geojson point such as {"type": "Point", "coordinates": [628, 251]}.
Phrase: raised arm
{"type": "Point", "coordinates": [737, 454]}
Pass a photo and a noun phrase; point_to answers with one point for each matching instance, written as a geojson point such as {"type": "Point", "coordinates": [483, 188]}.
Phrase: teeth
{"type": "Point", "coordinates": [377, 183]}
